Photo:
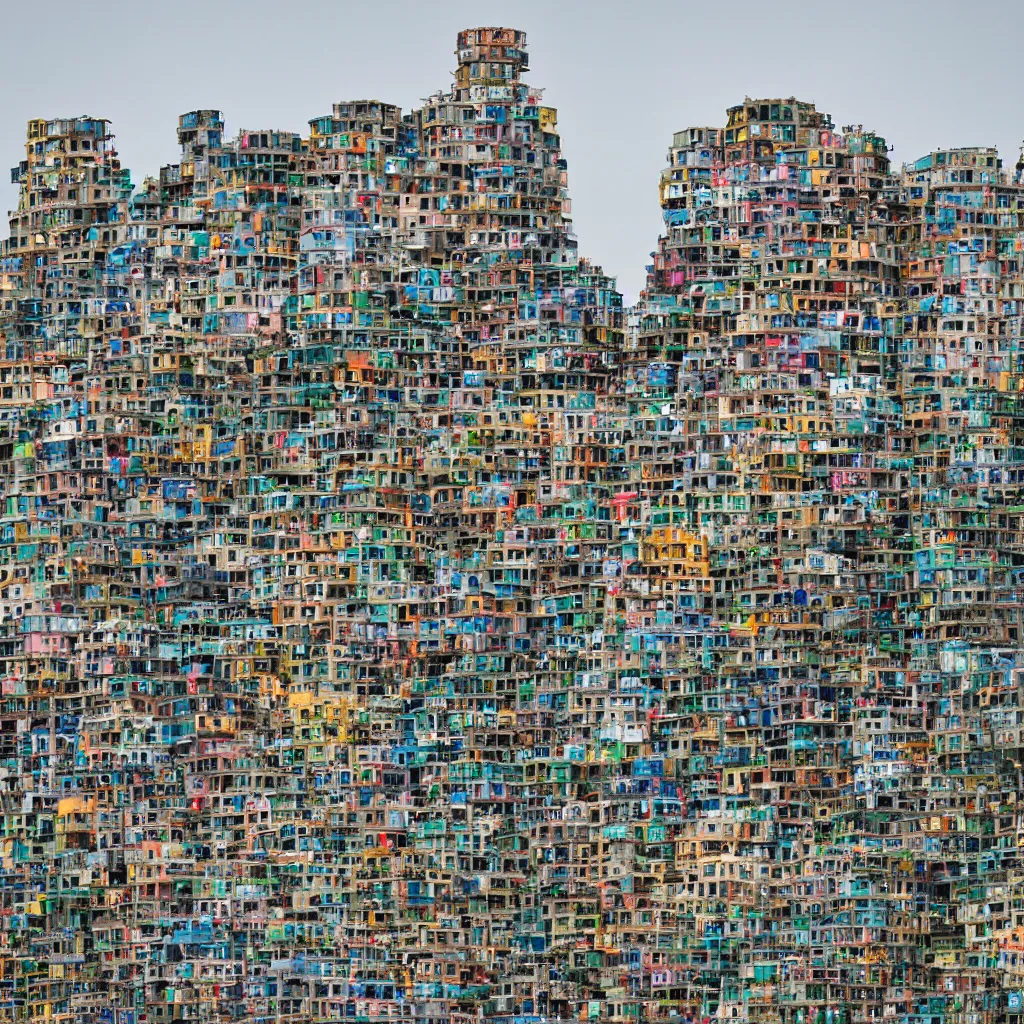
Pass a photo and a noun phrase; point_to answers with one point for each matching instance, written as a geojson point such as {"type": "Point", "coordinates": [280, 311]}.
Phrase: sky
{"type": "Point", "coordinates": [624, 75]}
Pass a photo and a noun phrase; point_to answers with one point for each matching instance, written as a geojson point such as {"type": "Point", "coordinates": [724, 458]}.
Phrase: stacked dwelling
{"type": "Point", "coordinates": [393, 632]}
{"type": "Point", "coordinates": [769, 337]}
{"type": "Point", "coordinates": [960, 382]}
{"type": "Point", "coordinates": [834, 348]}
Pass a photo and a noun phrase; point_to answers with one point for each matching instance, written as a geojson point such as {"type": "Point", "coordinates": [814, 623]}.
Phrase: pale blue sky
{"type": "Point", "coordinates": [624, 76]}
